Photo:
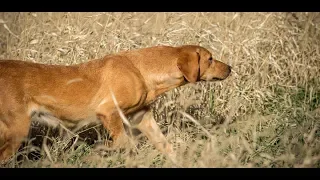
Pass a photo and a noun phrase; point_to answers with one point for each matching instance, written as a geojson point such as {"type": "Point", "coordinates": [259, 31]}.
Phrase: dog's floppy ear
{"type": "Point", "coordinates": [188, 63]}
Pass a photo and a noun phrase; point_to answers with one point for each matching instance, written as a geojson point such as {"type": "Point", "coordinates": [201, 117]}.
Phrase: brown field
{"type": "Point", "coordinates": [266, 114]}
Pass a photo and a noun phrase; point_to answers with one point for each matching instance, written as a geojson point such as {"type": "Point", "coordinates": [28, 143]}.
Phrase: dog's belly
{"type": "Point", "coordinates": [53, 121]}
{"type": "Point", "coordinates": [54, 114]}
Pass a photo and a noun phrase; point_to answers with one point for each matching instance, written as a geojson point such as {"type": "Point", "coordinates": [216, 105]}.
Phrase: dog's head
{"type": "Point", "coordinates": [196, 63]}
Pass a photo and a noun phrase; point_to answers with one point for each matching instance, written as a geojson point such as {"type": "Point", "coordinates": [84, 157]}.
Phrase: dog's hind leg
{"type": "Point", "coordinates": [14, 127]}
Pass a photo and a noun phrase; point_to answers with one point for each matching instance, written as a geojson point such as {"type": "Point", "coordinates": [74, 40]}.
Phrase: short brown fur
{"type": "Point", "coordinates": [84, 91]}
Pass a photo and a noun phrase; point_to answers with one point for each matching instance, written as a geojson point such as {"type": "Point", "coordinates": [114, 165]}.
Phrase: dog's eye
{"type": "Point", "coordinates": [210, 59]}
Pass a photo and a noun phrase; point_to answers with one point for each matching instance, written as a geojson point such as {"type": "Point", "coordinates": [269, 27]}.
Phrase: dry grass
{"type": "Point", "coordinates": [265, 115]}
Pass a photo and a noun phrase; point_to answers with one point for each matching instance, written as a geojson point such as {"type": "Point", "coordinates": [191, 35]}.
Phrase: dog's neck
{"type": "Point", "coordinates": [159, 82]}
{"type": "Point", "coordinates": [159, 77]}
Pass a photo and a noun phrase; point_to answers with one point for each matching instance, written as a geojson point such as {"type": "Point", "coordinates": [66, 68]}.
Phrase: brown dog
{"type": "Point", "coordinates": [95, 90]}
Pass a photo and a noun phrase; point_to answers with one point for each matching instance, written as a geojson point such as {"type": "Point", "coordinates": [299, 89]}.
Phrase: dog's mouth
{"type": "Point", "coordinates": [217, 79]}
{"type": "Point", "coordinates": [212, 79]}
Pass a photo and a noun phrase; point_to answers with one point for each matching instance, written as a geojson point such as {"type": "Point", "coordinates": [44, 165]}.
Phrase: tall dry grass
{"type": "Point", "coordinates": [265, 115]}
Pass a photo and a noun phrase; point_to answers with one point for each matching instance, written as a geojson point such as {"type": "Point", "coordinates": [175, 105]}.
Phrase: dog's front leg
{"type": "Point", "coordinates": [114, 125]}
{"type": "Point", "coordinates": [146, 123]}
